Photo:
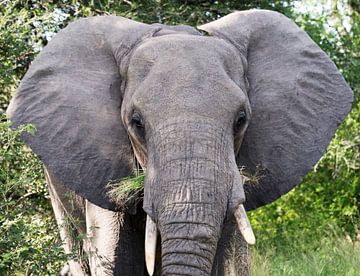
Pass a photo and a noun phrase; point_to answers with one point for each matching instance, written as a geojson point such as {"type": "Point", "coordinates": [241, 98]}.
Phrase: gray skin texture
{"type": "Point", "coordinates": [108, 92]}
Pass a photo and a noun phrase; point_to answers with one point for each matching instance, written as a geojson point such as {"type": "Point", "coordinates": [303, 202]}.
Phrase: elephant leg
{"type": "Point", "coordinates": [115, 241]}
{"type": "Point", "coordinates": [232, 257]}
{"type": "Point", "coordinates": [103, 228]}
{"type": "Point", "coordinates": [69, 210]}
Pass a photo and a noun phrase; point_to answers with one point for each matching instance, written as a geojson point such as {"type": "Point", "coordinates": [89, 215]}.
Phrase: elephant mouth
{"type": "Point", "coordinates": [151, 234]}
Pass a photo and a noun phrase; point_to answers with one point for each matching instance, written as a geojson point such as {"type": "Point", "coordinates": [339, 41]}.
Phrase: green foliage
{"type": "Point", "coordinates": [27, 243]}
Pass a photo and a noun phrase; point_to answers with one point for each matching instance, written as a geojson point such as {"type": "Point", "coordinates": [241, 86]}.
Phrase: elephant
{"type": "Point", "coordinates": [201, 111]}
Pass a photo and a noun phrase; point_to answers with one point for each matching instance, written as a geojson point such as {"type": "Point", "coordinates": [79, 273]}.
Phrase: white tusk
{"type": "Point", "coordinates": [150, 245]}
{"type": "Point", "coordinates": [244, 225]}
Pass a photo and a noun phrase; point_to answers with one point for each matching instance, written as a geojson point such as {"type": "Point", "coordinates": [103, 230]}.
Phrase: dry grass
{"type": "Point", "coordinates": [128, 189]}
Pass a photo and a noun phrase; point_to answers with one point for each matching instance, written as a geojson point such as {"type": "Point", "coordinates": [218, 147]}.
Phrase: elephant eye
{"type": "Point", "coordinates": [137, 123]}
{"type": "Point", "coordinates": [136, 120]}
{"type": "Point", "coordinates": [241, 120]}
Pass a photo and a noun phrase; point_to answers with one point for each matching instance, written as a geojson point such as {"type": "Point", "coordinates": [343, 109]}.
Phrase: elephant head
{"type": "Point", "coordinates": [256, 92]}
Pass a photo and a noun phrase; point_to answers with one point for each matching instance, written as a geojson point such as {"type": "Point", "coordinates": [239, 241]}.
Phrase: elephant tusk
{"type": "Point", "coordinates": [150, 245]}
{"type": "Point", "coordinates": [244, 225]}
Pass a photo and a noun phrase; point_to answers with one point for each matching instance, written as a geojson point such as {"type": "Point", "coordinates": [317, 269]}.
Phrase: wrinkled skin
{"type": "Point", "coordinates": [192, 179]}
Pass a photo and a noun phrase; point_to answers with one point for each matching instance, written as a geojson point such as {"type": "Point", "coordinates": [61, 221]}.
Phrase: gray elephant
{"type": "Point", "coordinates": [251, 91]}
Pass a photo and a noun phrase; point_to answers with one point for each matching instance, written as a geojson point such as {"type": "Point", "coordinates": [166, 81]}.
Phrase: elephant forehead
{"type": "Point", "coordinates": [186, 73]}
{"type": "Point", "coordinates": [189, 54]}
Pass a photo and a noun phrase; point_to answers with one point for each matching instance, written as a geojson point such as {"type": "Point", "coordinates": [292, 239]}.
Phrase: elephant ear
{"type": "Point", "coordinates": [297, 95]}
{"type": "Point", "coordinates": [72, 95]}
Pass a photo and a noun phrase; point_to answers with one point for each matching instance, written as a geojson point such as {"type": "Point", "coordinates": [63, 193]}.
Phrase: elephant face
{"type": "Point", "coordinates": [256, 93]}
{"type": "Point", "coordinates": [184, 107]}
{"type": "Point", "coordinates": [200, 77]}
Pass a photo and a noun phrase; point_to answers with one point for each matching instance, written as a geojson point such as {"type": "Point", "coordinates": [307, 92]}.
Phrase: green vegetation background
{"type": "Point", "coordinates": [313, 230]}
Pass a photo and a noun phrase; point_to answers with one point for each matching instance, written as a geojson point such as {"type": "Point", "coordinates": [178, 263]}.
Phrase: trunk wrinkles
{"type": "Point", "coordinates": [188, 193]}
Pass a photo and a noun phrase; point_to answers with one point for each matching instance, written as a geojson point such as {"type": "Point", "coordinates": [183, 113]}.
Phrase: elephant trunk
{"type": "Point", "coordinates": [190, 218]}
{"type": "Point", "coordinates": [188, 189]}
{"type": "Point", "coordinates": [188, 242]}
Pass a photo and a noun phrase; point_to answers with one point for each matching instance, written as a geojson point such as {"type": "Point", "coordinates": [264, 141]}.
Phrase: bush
{"type": "Point", "coordinates": [29, 241]}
